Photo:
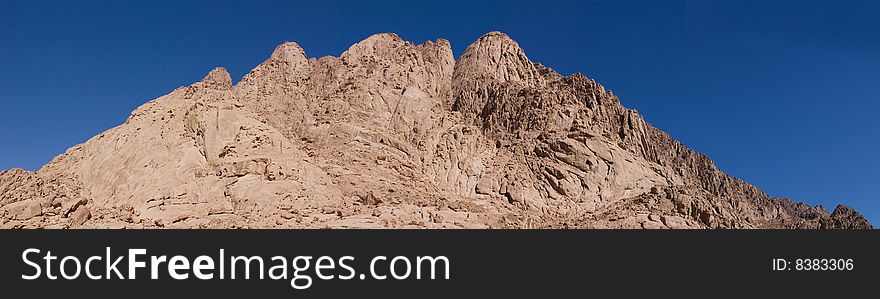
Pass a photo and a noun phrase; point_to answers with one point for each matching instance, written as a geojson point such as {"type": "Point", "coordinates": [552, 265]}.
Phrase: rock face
{"type": "Point", "coordinates": [393, 134]}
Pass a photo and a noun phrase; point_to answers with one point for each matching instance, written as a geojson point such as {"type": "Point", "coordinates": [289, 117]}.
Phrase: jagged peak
{"type": "Point", "coordinates": [441, 46]}
{"type": "Point", "coordinates": [288, 63]}
{"type": "Point", "coordinates": [288, 52]}
{"type": "Point", "coordinates": [496, 35]}
{"type": "Point", "coordinates": [443, 42]}
{"type": "Point", "coordinates": [218, 78]}
{"type": "Point", "coordinates": [492, 59]}
{"type": "Point", "coordinates": [373, 44]}
{"type": "Point", "coordinates": [383, 36]}
{"type": "Point", "coordinates": [440, 42]}
{"type": "Point", "coordinates": [498, 39]}
{"type": "Point", "coordinates": [496, 56]}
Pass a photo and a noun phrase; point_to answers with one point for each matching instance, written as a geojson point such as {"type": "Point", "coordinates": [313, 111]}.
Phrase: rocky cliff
{"type": "Point", "coordinates": [393, 134]}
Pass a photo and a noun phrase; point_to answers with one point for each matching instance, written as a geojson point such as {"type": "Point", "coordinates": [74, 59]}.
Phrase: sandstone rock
{"type": "Point", "coordinates": [29, 211]}
{"type": "Point", "coordinates": [287, 214]}
{"type": "Point", "coordinates": [69, 205]}
{"type": "Point", "coordinates": [652, 225]}
{"type": "Point", "coordinates": [369, 199]}
{"type": "Point", "coordinates": [675, 222]}
{"type": "Point", "coordinates": [79, 216]}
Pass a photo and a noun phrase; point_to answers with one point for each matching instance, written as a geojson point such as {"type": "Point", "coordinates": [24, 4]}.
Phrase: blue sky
{"type": "Point", "coordinates": [783, 94]}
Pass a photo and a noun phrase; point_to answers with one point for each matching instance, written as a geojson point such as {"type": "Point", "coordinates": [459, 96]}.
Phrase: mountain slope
{"type": "Point", "coordinates": [393, 134]}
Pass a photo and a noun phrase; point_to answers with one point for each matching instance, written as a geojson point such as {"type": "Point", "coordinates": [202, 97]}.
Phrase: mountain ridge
{"type": "Point", "coordinates": [393, 134]}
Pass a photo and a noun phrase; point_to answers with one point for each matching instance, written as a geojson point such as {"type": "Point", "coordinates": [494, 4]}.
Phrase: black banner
{"type": "Point", "coordinates": [478, 263]}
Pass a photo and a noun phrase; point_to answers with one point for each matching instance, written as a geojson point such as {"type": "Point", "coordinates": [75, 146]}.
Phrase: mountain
{"type": "Point", "coordinates": [393, 134]}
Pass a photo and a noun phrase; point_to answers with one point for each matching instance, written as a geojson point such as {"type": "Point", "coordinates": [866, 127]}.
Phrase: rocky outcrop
{"type": "Point", "coordinates": [393, 134]}
{"type": "Point", "coordinates": [29, 199]}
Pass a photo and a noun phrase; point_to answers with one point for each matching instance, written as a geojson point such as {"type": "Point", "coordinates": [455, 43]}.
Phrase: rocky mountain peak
{"type": "Point", "coordinates": [376, 46]}
{"type": "Point", "coordinates": [289, 52]}
{"type": "Point", "coordinates": [847, 217]}
{"type": "Point", "coordinates": [383, 37]}
{"type": "Point", "coordinates": [286, 66]}
{"type": "Point", "coordinates": [393, 134]}
{"type": "Point", "coordinates": [495, 56]}
{"type": "Point", "coordinates": [488, 80]}
{"type": "Point", "coordinates": [218, 79]}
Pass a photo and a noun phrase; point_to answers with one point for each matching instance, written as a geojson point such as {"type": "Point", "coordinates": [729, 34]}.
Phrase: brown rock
{"type": "Point", "coordinates": [369, 199]}
{"type": "Point", "coordinates": [29, 211]}
{"type": "Point", "coordinates": [69, 205]}
{"type": "Point", "coordinates": [79, 216]}
{"type": "Point", "coordinates": [287, 214]}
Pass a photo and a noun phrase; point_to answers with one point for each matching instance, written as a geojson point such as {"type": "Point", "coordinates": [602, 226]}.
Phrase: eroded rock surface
{"type": "Point", "coordinates": [393, 134]}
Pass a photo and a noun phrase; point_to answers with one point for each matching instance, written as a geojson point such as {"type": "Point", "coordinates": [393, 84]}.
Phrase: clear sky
{"type": "Point", "coordinates": [783, 94]}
